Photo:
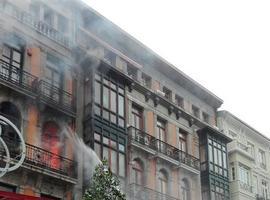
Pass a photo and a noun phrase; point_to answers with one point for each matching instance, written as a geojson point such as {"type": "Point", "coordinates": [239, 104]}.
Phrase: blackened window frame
{"type": "Point", "coordinates": [137, 112]}
{"type": "Point", "coordinates": [113, 86]}
{"type": "Point", "coordinates": [112, 136]}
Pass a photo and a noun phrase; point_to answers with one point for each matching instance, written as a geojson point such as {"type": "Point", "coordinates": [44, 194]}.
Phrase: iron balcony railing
{"type": "Point", "coordinates": [39, 26]}
{"type": "Point", "coordinates": [16, 76]}
{"type": "Point", "coordinates": [56, 96]}
{"type": "Point", "coordinates": [138, 192]}
{"type": "Point", "coordinates": [260, 197]}
{"type": "Point", "coordinates": [48, 160]}
{"type": "Point", "coordinates": [164, 148]}
{"type": "Point", "coordinates": [38, 157]}
{"type": "Point", "coordinates": [49, 93]}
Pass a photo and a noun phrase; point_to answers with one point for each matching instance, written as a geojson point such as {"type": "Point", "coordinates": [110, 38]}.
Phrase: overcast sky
{"type": "Point", "coordinates": [224, 45]}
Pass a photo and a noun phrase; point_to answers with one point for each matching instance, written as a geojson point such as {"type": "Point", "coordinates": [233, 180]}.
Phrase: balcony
{"type": "Point", "coordinates": [39, 26]}
{"type": "Point", "coordinates": [156, 147]}
{"type": "Point", "coordinates": [260, 197]}
{"type": "Point", "coordinates": [56, 97]}
{"type": "Point", "coordinates": [43, 161]}
{"type": "Point", "coordinates": [16, 78]}
{"type": "Point", "coordinates": [241, 148]}
{"type": "Point", "coordinates": [26, 83]}
{"type": "Point", "coordinates": [137, 192]}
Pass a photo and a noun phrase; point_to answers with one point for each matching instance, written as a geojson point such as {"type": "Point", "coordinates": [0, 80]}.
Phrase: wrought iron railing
{"type": "Point", "coordinates": [137, 192]}
{"type": "Point", "coordinates": [48, 160]}
{"type": "Point", "coordinates": [56, 96]}
{"type": "Point", "coordinates": [166, 149]}
{"type": "Point", "coordinates": [39, 157]}
{"type": "Point", "coordinates": [16, 76]}
{"type": "Point", "coordinates": [40, 26]}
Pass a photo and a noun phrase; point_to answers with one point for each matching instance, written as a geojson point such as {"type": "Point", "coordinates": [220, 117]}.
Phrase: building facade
{"type": "Point", "coordinates": [63, 64]}
{"type": "Point", "coordinates": [36, 94]}
{"type": "Point", "coordinates": [248, 159]}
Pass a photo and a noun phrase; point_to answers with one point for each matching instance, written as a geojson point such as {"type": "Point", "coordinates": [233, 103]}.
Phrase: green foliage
{"type": "Point", "coordinates": [104, 185]}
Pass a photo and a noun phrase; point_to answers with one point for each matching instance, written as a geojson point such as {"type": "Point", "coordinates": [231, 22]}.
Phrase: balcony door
{"type": "Point", "coordinates": [161, 135]}
{"type": "Point", "coordinates": [53, 78]}
{"type": "Point", "coordinates": [51, 143]}
{"type": "Point", "coordinates": [11, 63]}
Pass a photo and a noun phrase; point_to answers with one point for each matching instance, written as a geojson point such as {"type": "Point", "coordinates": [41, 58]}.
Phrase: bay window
{"type": "Point", "coordinates": [109, 100]}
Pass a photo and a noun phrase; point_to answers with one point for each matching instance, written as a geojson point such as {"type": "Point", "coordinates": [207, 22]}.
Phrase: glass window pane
{"type": "Point", "coordinates": [113, 118]}
{"type": "Point", "coordinates": [114, 161]}
{"type": "Point", "coordinates": [105, 97]}
{"type": "Point", "coordinates": [105, 114]}
{"type": "Point", "coordinates": [121, 105]}
{"type": "Point", "coordinates": [106, 140]}
{"type": "Point", "coordinates": [121, 122]}
{"type": "Point", "coordinates": [113, 101]}
{"type": "Point", "coordinates": [97, 92]}
{"type": "Point", "coordinates": [210, 153]}
{"type": "Point", "coordinates": [97, 137]}
{"type": "Point", "coordinates": [16, 56]}
{"type": "Point", "coordinates": [113, 144]}
{"type": "Point", "coordinates": [122, 171]}
{"type": "Point", "coordinates": [106, 153]}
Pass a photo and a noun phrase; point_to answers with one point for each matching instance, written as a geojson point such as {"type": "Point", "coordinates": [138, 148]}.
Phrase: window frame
{"type": "Point", "coordinates": [101, 110]}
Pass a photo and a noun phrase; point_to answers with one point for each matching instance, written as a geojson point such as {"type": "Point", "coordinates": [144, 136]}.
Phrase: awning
{"type": "Point", "coordinates": [14, 196]}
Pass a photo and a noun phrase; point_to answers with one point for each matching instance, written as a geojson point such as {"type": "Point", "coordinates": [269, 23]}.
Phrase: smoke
{"type": "Point", "coordinates": [84, 155]}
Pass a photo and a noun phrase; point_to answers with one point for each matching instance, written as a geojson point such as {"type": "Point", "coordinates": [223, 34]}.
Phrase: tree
{"type": "Point", "coordinates": [104, 185]}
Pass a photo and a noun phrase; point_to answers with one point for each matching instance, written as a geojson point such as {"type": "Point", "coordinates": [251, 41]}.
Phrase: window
{"type": "Point", "coordinates": [251, 148]}
{"type": "Point", "coordinates": [112, 147]}
{"type": "Point", "coordinates": [196, 111]}
{"type": "Point", "coordinates": [12, 59]}
{"type": "Point", "coordinates": [51, 142]}
{"type": "Point", "coordinates": [255, 184]}
{"type": "Point", "coordinates": [185, 191]}
{"type": "Point", "coordinates": [62, 24]}
{"type": "Point", "coordinates": [205, 117]}
{"type": "Point", "coordinates": [109, 100]}
{"type": "Point", "coordinates": [182, 141]}
{"type": "Point", "coordinates": [217, 154]}
{"type": "Point", "coordinates": [162, 182]}
{"type": "Point", "coordinates": [132, 72]}
{"type": "Point", "coordinates": [168, 93]}
{"type": "Point", "coordinates": [179, 101]}
{"type": "Point", "coordinates": [109, 57]}
{"type": "Point", "coordinates": [161, 134]}
{"type": "Point", "coordinates": [11, 112]}
{"type": "Point", "coordinates": [265, 189]}
{"type": "Point", "coordinates": [146, 81]}
{"type": "Point", "coordinates": [138, 172]}
{"type": "Point", "coordinates": [261, 159]}
{"type": "Point", "coordinates": [137, 117]}
{"type": "Point", "coordinates": [48, 16]}
{"type": "Point", "coordinates": [244, 175]}
{"type": "Point", "coordinates": [35, 10]}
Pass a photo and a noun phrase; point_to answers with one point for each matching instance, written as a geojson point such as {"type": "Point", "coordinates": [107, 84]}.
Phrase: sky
{"type": "Point", "coordinates": [223, 45]}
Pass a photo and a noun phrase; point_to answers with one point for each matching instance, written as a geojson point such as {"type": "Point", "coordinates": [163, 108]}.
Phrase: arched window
{"type": "Point", "coordinates": [163, 182]}
{"type": "Point", "coordinates": [185, 191]}
{"type": "Point", "coordinates": [137, 169]}
{"type": "Point", "coordinates": [11, 112]}
{"type": "Point", "coordinates": [51, 142]}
